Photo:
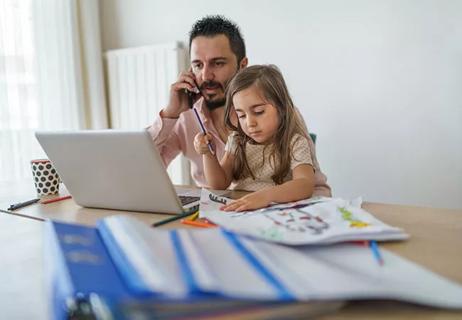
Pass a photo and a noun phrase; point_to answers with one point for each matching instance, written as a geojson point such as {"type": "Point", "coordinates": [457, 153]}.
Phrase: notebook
{"type": "Point", "coordinates": [128, 257]}
{"type": "Point", "coordinates": [85, 282]}
{"type": "Point", "coordinates": [113, 169]}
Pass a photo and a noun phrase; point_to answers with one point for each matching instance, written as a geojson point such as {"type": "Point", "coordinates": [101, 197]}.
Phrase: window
{"type": "Point", "coordinates": [41, 82]}
{"type": "Point", "coordinates": [19, 112]}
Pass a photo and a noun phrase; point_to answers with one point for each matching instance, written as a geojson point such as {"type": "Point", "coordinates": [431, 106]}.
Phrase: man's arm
{"type": "Point", "coordinates": [164, 130]}
{"type": "Point", "coordinates": [165, 137]}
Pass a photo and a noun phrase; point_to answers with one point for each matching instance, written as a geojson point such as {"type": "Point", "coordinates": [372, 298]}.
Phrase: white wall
{"type": "Point", "coordinates": [380, 82]}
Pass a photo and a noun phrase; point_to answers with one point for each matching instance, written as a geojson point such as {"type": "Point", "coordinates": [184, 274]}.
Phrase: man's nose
{"type": "Point", "coordinates": [207, 73]}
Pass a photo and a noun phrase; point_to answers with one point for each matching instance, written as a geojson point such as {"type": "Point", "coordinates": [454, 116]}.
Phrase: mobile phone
{"type": "Point", "coordinates": [191, 98]}
{"type": "Point", "coordinates": [193, 95]}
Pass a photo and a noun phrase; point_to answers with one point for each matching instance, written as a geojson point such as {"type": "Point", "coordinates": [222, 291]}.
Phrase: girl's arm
{"type": "Point", "coordinates": [300, 187]}
{"type": "Point", "coordinates": [217, 174]}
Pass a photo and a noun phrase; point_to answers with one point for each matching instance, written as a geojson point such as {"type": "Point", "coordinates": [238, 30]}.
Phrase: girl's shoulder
{"type": "Point", "coordinates": [233, 137]}
{"type": "Point", "coordinates": [299, 139]}
{"type": "Point", "coordinates": [233, 134]}
{"type": "Point", "coordinates": [232, 142]}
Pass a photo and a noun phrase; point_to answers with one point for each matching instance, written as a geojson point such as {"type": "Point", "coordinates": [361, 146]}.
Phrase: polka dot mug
{"type": "Point", "coordinates": [46, 178]}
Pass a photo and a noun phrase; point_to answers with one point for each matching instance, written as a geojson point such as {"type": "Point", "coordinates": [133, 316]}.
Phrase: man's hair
{"type": "Point", "coordinates": [211, 26]}
{"type": "Point", "coordinates": [269, 82]}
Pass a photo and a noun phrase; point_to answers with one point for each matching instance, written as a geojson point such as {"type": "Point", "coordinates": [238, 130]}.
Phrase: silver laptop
{"type": "Point", "coordinates": [114, 169]}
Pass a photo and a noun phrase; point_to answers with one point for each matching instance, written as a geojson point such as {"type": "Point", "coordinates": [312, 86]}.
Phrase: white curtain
{"type": "Point", "coordinates": [51, 76]}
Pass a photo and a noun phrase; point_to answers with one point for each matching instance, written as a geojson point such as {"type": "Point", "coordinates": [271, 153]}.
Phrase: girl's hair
{"type": "Point", "coordinates": [268, 80]}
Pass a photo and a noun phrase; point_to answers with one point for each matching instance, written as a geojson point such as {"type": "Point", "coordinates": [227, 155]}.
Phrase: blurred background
{"type": "Point", "coordinates": [379, 82]}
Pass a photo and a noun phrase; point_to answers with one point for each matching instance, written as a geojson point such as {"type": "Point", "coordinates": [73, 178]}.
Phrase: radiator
{"type": "Point", "coordinates": [138, 84]}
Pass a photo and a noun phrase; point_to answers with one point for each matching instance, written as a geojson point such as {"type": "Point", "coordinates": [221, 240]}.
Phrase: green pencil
{"type": "Point", "coordinates": [174, 218]}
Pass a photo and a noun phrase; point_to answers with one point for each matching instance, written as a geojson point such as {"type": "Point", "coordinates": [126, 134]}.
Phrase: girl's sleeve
{"type": "Point", "coordinates": [231, 144]}
{"type": "Point", "coordinates": [300, 152]}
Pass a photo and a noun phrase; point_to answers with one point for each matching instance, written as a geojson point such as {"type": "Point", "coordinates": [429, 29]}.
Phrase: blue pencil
{"type": "Point", "coordinates": [203, 129]}
{"type": "Point", "coordinates": [375, 251]}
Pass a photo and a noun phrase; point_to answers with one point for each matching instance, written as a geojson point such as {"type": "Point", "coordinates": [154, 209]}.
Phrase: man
{"type": "Point", "coordinates": [217, 53]}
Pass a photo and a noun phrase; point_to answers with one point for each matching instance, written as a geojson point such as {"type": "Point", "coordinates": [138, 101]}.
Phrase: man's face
{"type": "Point", "coordinates": [214, 64]}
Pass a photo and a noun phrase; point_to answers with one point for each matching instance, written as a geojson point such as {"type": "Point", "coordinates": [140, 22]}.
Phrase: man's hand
{"type": "Point", "coordinates": [255, 200]}
{"type": "Point", "coordinates": [179, 100]}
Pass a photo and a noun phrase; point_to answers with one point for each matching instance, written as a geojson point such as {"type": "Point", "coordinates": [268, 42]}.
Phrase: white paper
{"type": "Point", "coordinates": [311, 221]}
{"type": "Point", "coordinates": [318, 272]}
{"type": "Point", "coordinates": [151, 254]}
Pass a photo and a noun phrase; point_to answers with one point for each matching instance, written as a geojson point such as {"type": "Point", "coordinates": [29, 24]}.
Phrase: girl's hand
{"type": "Point", "coordinates": [255, 200]}
{"type": "Point", "coordinates": [200, 143]}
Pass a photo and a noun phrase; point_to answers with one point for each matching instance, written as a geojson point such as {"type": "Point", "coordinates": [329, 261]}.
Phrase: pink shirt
{"type": "Point", "coordinates": [175, 136]}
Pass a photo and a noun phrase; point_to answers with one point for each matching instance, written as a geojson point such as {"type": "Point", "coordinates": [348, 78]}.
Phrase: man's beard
{"type": "Point", "coordinates": [214, 104]}
{"type": "Point", "coordinates": [210, 102]}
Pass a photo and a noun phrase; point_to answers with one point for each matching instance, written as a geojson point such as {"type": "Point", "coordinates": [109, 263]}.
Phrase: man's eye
{"type": "Point", "coordinates": [220, 63]}
{"type": "Point", "coordinates": [197, 66]}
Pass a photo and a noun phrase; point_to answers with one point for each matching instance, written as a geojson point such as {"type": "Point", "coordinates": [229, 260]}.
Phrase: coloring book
{"type": "Point", "coordinates": [318, 220]}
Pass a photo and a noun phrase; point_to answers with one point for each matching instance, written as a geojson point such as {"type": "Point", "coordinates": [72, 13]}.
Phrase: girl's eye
{"type": "Point", "coordinates": [240, 116]}
{"type": "Point", "coordinates": [259, 112]}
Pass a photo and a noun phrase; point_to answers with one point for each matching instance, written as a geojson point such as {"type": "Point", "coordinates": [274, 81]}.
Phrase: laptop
{"type": "Point", "coordinates": [114, 169]}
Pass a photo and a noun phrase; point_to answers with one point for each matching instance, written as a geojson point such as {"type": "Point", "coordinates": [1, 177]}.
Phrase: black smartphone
{"type": "Point", "coordinates": [192, 96]}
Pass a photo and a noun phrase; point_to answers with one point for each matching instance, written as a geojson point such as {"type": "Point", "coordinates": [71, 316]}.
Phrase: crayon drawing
{"type": "Point", "coordinates": [311, 221]}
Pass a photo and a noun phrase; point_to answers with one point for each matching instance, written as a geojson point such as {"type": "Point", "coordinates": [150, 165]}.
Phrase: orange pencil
{"type": "Point", "coordinates": [55, 199]}
{"type": "Point", "coordinates": [200, 224]}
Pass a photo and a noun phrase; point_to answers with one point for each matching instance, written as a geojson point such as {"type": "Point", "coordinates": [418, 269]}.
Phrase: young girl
{"type": "Point", "coordinates": [268, 150]}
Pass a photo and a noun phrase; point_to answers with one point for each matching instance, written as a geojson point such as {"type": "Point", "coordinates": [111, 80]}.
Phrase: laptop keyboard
{"type": "Point", "coordinates": [185, 200]}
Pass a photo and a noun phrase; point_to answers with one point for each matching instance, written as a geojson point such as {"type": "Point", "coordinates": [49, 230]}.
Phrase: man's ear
{"type": "Point", "coordinates": [243, 63]}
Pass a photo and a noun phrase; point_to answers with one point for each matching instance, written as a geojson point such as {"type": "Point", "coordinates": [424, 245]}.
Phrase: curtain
{"type": "Point", "coordinates": [51, 76]}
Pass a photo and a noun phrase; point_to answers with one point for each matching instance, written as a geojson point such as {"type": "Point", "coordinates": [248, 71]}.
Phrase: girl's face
{"type": "Point", "coordinates": [258, 118]}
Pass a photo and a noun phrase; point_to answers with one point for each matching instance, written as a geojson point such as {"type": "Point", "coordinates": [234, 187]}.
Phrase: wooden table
{"type": "Point", "coordinates": [436, 239]}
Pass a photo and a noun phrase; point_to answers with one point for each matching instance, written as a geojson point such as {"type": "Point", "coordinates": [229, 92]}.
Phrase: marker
{"type": "Point", "coordinates": [22, 204]}
{"type": "Point", "coordinates": [55, 199]}
{"type": "Point", "coordinates": [203, 130]}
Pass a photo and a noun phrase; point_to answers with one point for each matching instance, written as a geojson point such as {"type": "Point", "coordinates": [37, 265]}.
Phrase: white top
{"type": "Point", "coordinates": [261, 164]}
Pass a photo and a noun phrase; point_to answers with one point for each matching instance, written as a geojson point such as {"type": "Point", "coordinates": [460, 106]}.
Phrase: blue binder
{"type": "Point", "coordinates": [80, 269]}
{"type": "Point", "coordinates": [98, 269]}
{"type": "Point", "coordinates": [92, 278]}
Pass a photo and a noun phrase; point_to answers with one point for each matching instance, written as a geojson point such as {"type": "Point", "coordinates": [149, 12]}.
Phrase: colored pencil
{"type": "Point", "coordinates": [173, 218]}
{"type": "Point", "coordinates": [209, 144]}
{"type": "Point", "coordinates": [193, 217]}
{"type": "Point", "coordinates": [376, 252]}
{"type": "Point", "coordinates": [55, 199]}
{"type": "Point", "coordinates": [200, 224]}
